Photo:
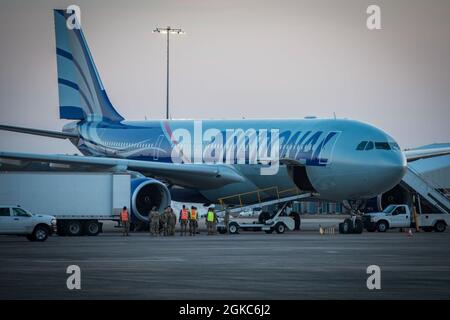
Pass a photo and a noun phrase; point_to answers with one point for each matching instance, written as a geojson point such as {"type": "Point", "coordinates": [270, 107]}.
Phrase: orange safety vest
{"type": "Point", "coordinates": [124, 215]}
{"type": "Point", "coordinates": [193, 214]}
{"type": "Point", "coordinates": [184, 214]}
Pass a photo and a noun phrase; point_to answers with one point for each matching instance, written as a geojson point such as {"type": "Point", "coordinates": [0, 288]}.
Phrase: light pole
{"type": "Point", "coordinates": [168, 31]}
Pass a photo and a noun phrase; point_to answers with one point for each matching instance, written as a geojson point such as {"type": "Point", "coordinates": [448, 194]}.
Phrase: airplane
{"type": "Point", "coordinates": [208, 160]}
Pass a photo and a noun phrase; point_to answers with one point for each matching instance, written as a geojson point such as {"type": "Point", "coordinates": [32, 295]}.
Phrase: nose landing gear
{"type": "Point", "coordinates": [353, 224]}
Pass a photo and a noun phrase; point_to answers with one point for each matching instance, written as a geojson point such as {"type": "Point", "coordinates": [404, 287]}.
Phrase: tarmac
{"type": "Point", "coordinates": [250, 265]}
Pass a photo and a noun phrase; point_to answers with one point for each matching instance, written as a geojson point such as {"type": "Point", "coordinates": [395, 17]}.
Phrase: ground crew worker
{"type": "Point", "coordinates": [154, 222]}
{"type": "Point", "coordinates": [163, 222]}
{"type": "Point", "coordinates": [125, 220]}
{"type": "Point", "coordinates": [193, 221]}
{"type": "Point", "coordinates": [184, 216]}
{"type": "Point", "coordinates": [171, 221]}
{"type": "Point", "coordinates": [211, 218]}
{"type": "Point", "coordinates": [226, 219]}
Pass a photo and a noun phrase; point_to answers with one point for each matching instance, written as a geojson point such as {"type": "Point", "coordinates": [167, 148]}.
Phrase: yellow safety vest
{"type": "Point", "coordinates": [210, 217]}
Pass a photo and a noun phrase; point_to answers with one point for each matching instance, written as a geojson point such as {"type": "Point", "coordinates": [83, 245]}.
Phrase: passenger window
{"type": "Point", "coordinates": [361, 146]}
{"type": "Point", "coordinates": [382, 146]}
{"type": "Point", "coordinates": [20, 213]}
{"type": "Point", "coordinates": [4, 212]}
{"type": "Point", "coordinates": [369, 145]}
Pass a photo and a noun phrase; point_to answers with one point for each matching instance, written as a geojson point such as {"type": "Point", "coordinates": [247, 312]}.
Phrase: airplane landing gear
{"type": "Point", "coordinates": [353, 224]}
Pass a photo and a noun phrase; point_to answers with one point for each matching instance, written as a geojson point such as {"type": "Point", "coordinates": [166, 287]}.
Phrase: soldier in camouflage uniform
{"type": "Point", "coordinates": [172, 221]}
{"type": "Point", "coordinates": [154, 222]}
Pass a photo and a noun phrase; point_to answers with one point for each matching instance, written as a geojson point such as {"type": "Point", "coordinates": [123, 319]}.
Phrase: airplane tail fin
{"type": "Point", "coordinates": [81, 92]}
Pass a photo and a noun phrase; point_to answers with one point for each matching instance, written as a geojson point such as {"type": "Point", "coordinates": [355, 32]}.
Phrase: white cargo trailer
{"type": "Point", "coordinates": [78, 200]}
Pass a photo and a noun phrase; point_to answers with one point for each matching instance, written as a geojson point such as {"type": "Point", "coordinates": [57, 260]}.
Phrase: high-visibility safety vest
{"type": "Point", "coordinates": [193, 214]}
{"type": "Point", "coordinates": [184, 214]}
{"type": "Point", "coordinates": [210, 216]}
{"type": "Point", "coordinates": [124, 215]}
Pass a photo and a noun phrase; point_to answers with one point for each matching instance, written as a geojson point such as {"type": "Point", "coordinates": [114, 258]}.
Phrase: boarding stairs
{"type": "Point", "coordinates": [427, 189]}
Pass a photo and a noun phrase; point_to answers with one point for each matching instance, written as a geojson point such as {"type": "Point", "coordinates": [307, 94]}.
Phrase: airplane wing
{"type": "Point", "coordinates": [185, 175]}
{"type": "Point", "coordinates": [417, 154]}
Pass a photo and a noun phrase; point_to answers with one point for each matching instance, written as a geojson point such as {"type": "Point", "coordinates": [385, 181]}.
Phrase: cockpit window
{"type": "Point", "coordinates": [361, 146]}
{"type": "Point", "coordinates": [394, 146]}
{"type": "Point", "coordinates": [369, 145]}
{"type": "Point", "coordinates": [382, 146]}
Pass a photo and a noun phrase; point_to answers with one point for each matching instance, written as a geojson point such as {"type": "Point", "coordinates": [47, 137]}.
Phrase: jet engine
{"type": "Point", "coordinates": [146, 193]}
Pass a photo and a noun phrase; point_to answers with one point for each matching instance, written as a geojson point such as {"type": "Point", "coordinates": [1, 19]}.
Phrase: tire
{"type": "Point", "coordinates": [91, 228]}
{"type": "Point", "coordinates": [382, 226]}
{"type": "Point", "coordinates": [74, 228]}
{"type": "Point", "coordinates": [280, 228]}
{"type": "Point", "coordinates": [347, 226]}
{"type": "Point", "coordinates": [297, 220]}
{"type": "Point", "coordinates": [427, 229]}
{"type": "Point", "coordinates": [358, 227]}
{"type": "Point", "coordinates": [233, 228]}
{"type": "Point", "coordinates": [40, 233]}
{"type": "Point", "coordinates": [440, 226]}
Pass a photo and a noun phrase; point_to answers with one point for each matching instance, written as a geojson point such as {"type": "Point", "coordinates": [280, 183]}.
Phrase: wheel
{"type": "Point", "coordinates": [297, 220]}
{"type": "Point", "coordinates": [347, 226]}
{"type": "Point", "coordinates": [74, 228]}
{"type": "Point", "coordinates": [382, 226]}
{"type": "Point", "coordinates": [40, 233]}
{"type": "Point", "coordinates": [440, 226]}
{"type": "Point", "coordinates": [263, 217]}
{"type": "Point", "coordinates": [358, 226]}
{"type": "Point", "coordinates": [92, 228]}
{"type": "Point", "coordinates": [233, 228]}
{"type": "Point", "coordinates": [427, 229]}
{"type": "Point", "coordinates": [280, 228]}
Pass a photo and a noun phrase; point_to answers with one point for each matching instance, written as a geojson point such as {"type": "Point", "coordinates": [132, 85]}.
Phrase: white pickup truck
{"type": "Point", "coordinates": [400, 216]}
{"type": "Point", "coordinates": [17, 221]}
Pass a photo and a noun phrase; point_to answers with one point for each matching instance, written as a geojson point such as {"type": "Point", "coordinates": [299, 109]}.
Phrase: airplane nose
{"type": "Point", "coordinates": [390, 170]}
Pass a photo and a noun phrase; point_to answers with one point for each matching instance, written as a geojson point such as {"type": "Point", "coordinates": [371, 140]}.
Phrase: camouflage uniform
{"type": "Point", "coordinates": [154, 223]}
{"type": "Point", "coordinates": [164, 221]}
{"type": "Point", "coordinates": [172, 221]}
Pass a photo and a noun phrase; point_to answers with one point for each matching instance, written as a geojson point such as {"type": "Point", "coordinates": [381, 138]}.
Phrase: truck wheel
{"type": "Point", "coordinates": [40, 233]}
{"type": "Point", "coordinates": [440, 226]}
{"type": "Point", "coordinates": [92, 228]}
{"type": "Point", "coordinates": [382, 226]}
{"type": "Point", "coordinates": [358, 226]}
{"type": "Point", "coordinates": [74, 228]}
{"type": "Point", "coordinates": [280, 228]}
{"type": "Point", "coordinates": [233, 228]}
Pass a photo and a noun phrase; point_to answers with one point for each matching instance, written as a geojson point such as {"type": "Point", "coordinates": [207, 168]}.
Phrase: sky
{"type": "Point", "coordinates": [238, 59]}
